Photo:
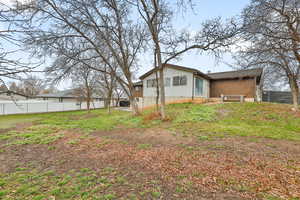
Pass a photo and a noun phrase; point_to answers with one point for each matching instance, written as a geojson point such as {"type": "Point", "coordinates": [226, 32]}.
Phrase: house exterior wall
{"type": "Point", "coordinates": [175, 92]}
{"type": "Point", "coordinates": [245, 87]}
{"type": "Point", "coordinates": [138, 91]}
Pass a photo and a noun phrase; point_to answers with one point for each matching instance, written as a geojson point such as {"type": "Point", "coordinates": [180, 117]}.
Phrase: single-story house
{"type": "Point", "coordinates": [188, 83]}
{"type": "Point", "coordinates": [8, 95]}
{"type": "Point", "coordinates": [65, 96]}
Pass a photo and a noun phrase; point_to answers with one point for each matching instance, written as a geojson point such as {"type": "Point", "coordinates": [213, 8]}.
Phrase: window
{"type": "Point", "coordinates": [179, 80]}
{"type": "Point", "coordinates": [167, 82]}
{"type": "Point", "coordinates": [151, 83]}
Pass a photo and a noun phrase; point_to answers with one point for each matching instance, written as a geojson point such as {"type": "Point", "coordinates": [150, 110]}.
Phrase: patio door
{"type": "Point", "coordinates": [199, 87]}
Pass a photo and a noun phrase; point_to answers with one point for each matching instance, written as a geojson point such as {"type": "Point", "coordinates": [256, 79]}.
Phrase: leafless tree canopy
{"type": "Point", "coordinates": [83, 31]}
{"type": "Point", "coordinates": [272, 29]}
{"type": "Point", "coordinates": [10, 66]}
{"type": "Point", "coordinates": [29, 86]}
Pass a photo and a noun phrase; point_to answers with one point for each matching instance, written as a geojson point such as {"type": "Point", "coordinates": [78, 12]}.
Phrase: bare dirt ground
{"type": "Point", "coordinates": [183, 168]}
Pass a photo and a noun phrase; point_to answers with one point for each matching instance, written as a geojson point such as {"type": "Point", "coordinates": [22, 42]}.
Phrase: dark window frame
{"type": "Point", "coordinates": [179, 80]}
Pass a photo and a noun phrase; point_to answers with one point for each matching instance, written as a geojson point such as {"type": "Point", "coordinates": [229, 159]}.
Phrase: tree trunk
{"type": "Point", "coordinates": [157, 84]}
{"type": "Point", "coordinates": [161, 85]}
{"type": "Point", "coordinates": [295, 93]}
{"type": "Point", "coordinates": [134, 106]}
{"type": "Point", "coordinates": [88, 100]}
{"type": "Point", "coordinates": [109, 95]}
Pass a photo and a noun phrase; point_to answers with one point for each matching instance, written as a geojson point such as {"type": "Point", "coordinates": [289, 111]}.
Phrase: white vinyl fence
{"type": "Point", "coordinates": [7, 108]}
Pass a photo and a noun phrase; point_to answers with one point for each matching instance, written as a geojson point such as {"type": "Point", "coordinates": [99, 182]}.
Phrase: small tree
{"type": "Point", "coordinates": [85, 81]}
{"type": "Point", "coordinates": [31, 86]}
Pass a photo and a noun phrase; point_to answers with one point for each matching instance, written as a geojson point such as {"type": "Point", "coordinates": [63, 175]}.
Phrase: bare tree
{"type": "Point", "coordinates": [29, 86]}
{"type": "Point", "coordinates": [84, 26]}
{"type": "Point", "coordinates": [273, 28]}
{"type": "Point", "coordinates": [13, 87]}
{"type": "Point", "coordinates": [84, 80]}
{"type": "Point", "coordinates": [118, 94]}
{"type": "Point", "coordinates": [168, 44]}
{"type": "Point", "coordinates": [107, 85]}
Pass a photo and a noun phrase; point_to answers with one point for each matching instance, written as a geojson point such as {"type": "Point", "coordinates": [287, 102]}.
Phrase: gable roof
{"type": "Point", "coordinates": [236, 74]}
{"type": "Point", "coordinates": [192, 70]}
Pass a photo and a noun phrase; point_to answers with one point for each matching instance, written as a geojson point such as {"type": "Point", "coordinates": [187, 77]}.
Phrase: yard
{"type": "Point", "coordinates": [225, 151]}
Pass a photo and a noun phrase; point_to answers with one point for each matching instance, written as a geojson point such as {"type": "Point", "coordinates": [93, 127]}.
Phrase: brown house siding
{"type": "Point", "coordinates": [245, 87]}
{"type": "Point", "coordinates": [138, 91]}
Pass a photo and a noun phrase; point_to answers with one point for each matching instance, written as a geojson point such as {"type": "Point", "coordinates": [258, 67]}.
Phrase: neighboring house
{"type": "Point", "coordinates": [65, 96]}
{"type": "Point", "coordinates": [9, 95]}
{"type": "Point", "coordinates": [183, 83]}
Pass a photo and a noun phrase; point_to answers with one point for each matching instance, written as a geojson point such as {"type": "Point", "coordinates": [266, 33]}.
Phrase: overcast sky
{"type": "Point", "coordinates": [203, 10]}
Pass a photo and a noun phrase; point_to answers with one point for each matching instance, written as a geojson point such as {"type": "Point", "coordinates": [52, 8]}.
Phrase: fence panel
{"type": "Point", "coordinates": [1, 109]}
{"type": "Point", "coordinates": [37, 107]}
{"type": "Point", "coordinates": [278, 97]}
{"type": "Point", "coordinates": [13, 108]}
{"type": "Point", "coordinates": [7, 108]}
{"type": "Point", "coordinates": [55, 107]}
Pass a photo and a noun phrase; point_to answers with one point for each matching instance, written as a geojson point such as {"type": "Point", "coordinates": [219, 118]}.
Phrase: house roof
{"type": "Point", "coordinates": [65, 94]}
{"type": "Point", "coordinates": [192, 70]}
{"type": "Point", "coordinates": [236, 74]}
{"type": "Point", "coordinates": [139, 83]}
{"type": "Point", "coordinates": [62, 94]}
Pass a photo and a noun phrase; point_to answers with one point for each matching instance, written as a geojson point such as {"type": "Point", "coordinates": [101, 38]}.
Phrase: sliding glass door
{"type": "Point", "coordinates": [199, 87]}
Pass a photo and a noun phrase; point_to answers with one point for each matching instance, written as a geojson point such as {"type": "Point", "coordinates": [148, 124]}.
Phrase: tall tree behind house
{"type": "Point", "coordinates": [273, 28]}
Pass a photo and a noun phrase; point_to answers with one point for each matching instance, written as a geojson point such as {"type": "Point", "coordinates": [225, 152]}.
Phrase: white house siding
{"type": "Point", "coordinates": [172, 93]}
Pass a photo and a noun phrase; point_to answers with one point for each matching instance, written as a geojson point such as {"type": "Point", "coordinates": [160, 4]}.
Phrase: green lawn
{"type": "Point", "coordinates": [264, 120]}
{"type": "Point", "coordinates": [274, 121]}
{"type": "Point", "coordinates": [229, 150]}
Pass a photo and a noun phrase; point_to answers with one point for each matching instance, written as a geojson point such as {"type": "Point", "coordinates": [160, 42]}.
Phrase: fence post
{"type": "Point", "coordinates": [26, 107]}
